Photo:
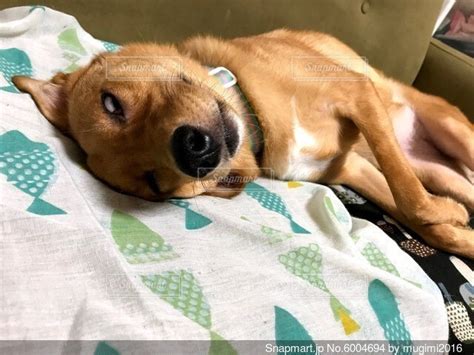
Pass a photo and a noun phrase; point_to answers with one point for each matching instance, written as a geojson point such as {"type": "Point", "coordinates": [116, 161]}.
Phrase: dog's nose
{"type": "Point", "coordinates": [195, 151]}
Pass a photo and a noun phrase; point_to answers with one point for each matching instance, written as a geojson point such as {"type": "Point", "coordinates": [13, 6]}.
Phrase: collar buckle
{"type": "Point", "coordinates": [224, 75]}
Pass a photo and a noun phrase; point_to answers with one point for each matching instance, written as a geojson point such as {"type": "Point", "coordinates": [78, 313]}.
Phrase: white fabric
{"type": "Point", "coordinates": [64, 276]}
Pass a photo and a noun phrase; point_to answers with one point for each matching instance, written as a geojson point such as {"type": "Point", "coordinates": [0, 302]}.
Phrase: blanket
{"type": "Point", "coordinates": [283, 261]}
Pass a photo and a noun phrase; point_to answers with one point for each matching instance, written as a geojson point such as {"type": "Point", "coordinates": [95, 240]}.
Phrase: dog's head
{"type": "Point", "coordinates": [152, 122]}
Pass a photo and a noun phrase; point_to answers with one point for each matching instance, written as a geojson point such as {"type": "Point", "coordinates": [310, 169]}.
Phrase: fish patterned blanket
{"type": "Point", "coordinates": [283, 261]}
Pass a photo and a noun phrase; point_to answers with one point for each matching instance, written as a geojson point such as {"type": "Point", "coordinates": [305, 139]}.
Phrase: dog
{"type": "Point", "coordinates": [182, 132]}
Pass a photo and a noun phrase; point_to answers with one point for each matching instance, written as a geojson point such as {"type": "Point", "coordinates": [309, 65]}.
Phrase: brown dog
{"type": "Point", "coordinates": [324, 114]}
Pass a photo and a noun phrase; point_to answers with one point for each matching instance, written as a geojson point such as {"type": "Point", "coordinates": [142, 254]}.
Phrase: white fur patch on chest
{"type": "Point", "coordinates": [301, 165]}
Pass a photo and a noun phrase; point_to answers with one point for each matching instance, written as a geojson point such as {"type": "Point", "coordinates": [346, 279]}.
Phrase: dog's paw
{"type": "Point", "coordinates": [440, 210]}
{"type": "Point", "coordinates": [448, 238]}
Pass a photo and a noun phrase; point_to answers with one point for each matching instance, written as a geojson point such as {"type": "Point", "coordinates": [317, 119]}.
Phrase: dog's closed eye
{"type": "Point", "coordinates": [112, 106]}
{"type": "Point", "coordinates": [185, 79]}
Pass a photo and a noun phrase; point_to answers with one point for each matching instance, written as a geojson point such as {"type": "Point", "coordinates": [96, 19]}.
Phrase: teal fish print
{"type": "Point", "coordinates": [110, 47]}
{"type": "Point", "coordinates": [385, 307]}
{"type": "Point", "coordinates": [193, 220]}
{"type": "Point", "coordinates": [14, 61]}
{"type": "Point", "coordinates": [34, 7]}
{"type": "Point", "coordinates": [290, 332]}
{"type": "Point", "coordinates": [272, 202]}
{"type": "Point", "coordinates": [30, 167]}
{"type": "Point", "coordinates": [138, 243]}
{"type": "Point", "coordinates": [103, 348]}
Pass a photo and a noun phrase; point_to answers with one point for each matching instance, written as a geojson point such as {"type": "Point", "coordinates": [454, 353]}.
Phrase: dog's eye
{"type": "Point", "coordinates": [112, 105]}
{"type": "Point", "coordinates": [151, 181]}
{"type": "Point", "coordinates": [185, 79]}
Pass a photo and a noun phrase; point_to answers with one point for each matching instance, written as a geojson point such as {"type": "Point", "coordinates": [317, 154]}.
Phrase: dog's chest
{"type": "Point", "coordinates": [303, 151]}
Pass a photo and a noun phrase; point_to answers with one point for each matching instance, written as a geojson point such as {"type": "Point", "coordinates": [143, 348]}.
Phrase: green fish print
{"type": "Point", "coordinates": [110, 47]}
{"type": "Point", "coordinates": [385, 307]}
{"type": "Point", "coordinates": [274, 236]}
{"type": "Point", "coordinates": [307, 263]}
{"type": "Point", "coordinates": [377, 259]}
{"type": "Point", "coordinates": [14, 61]}
{"type": "Point", "coordinates": [340, 214]}
{"type": "Point", "coordinates": [182, 291]}
{"type": "Point", "coordinates": [193, 220]}
{"type": "Point", "coordinates": [272, 202]}
{"type": "Point", "coordinates": [138, 243]}
{"type": "Point", "coordinates": [30, 167]}
{"type": "Point", "coordinates": [220, 346]}
{"type": "Point", "coordinates": [69, 42]}
{"type": "Point", "coordinates": [290, 332]}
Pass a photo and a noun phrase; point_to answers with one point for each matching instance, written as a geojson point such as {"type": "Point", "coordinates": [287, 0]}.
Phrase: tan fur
{"type": "Point", "coordinates": [347, 118]}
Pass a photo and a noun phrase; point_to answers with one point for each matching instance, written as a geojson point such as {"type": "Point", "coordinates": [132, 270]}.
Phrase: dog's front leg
{"type": "Point", "coordinates": [419, 207]}
{"type": "Point", "coordinates": [359, 174]}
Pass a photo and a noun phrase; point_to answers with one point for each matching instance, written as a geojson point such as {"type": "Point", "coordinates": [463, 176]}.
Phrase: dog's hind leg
{"type": "Point", "coordinates": [367, 112]}
{"type": "Point", "coordinates": [438, 140]}
{"type": "Point", "coordinates": [445, 179]}
{"type": "Point", "coordinates": [450, 131]}
{"type": "Point", "coordinates": [362, 176]}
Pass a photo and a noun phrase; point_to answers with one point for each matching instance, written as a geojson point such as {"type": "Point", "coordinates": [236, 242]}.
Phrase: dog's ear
{"type": "Point", "coordinates": [49, 96]}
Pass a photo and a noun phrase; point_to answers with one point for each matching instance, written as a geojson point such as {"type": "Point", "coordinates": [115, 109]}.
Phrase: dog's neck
{"type": "Point", "coordinates": [229, 81]}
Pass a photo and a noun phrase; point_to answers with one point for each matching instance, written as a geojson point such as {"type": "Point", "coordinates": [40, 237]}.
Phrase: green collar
{"type": "Point", "coordinates": [228, 80]}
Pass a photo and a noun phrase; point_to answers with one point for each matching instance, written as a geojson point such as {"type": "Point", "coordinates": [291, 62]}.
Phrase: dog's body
{"type": "Point", "coordinates": [355, 127]}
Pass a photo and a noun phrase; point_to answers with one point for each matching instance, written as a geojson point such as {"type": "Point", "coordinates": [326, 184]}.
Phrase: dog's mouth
{"type": "Point", "coordinates": [150, 178]}
{"type": "Point", "coordinates": [230, 130]}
